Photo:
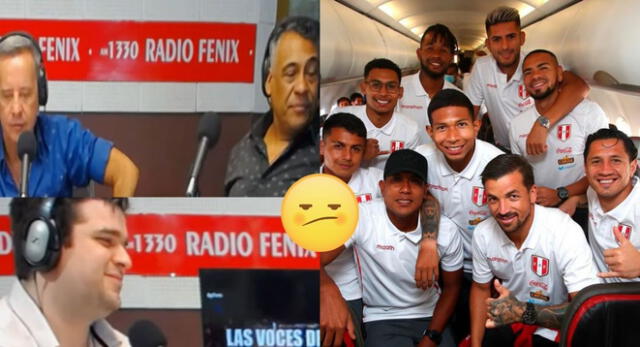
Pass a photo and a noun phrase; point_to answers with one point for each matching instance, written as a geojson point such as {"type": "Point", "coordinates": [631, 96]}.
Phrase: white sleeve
{"type": "Point", "coordinates": [574, 257]}
{"type": "Point", "coordinates": [481, 270]}
{"type": "Point", "coordinates": [597, 119]}
{"type": "Point", "coordinates": [513, 139]}
{"type": "Point", "coordinates": [474, 88]}
{"type": "Point", "coordinates": [414, 142]}
{"type": "Point", "coordinates": [356, 237]}
{"type": "Point", "coordinates": [451, 251]}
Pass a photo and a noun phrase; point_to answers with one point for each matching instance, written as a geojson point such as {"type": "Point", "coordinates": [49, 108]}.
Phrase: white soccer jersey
{"type": "Point", "coordinates": [343, 270]}
{"type": "Point", "coordinates": [625, 217]}
{"type": "Point", "coordinates": [504, 99]}
{"type": "Point", "coordinates": [562, 164]}
{"type": "Point", "coordinates": [554, 259]}
{"type": "Point", "coordinates": [415, 101]}
{"type": "Point", "coordinates": [399, 133]}
{"type": "Point", "coordinates": [461, 195]}
{"type": "Point", "coordinates": [387, 259]}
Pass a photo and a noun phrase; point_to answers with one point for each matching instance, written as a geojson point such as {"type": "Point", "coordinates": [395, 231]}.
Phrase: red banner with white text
{"type": "Point", "coordinates": [83, 50]}
{"type": "Point", "coordinates": [179, 245]}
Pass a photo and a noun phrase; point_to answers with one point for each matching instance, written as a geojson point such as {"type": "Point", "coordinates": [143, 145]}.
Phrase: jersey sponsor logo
{"type": "Point", "coordinates": [437, 187]}
{"type": "Point", "coordinates": [539, 284]}
{"type": "Point", "coordinates": [386, 247]}
{"type": "Point", "coordinates": [522, 92]}
{"type": "Point", "coordinates": [525, 103]}
{"type": "Point", "coordinates": [539, 265]}
{"type": "Point", "coordinates": [364, 198]}
{"type": "Point", "coordinates": [491, 85]}
{"type": "Point", "coordinates": [566, 160]}
{"type": "Point", "coordinates": [476, 221]}
{"type": "Point", "coordinates": [624, 229]}
{"type": "Point", "coordinates": [564, 150]}
{"type": "Point", "coordinates": [479, 197]}
{"type": "Point", "coordinates": [415, 107]}
{"type": "Point", "coordinates": [396, 145]}
{"type": "Point", "coordinates": [539, 294]}
{"type": "Point", "coordinates": [497, 260]}
{"type": "Point", "coordinates": [479, 213]}
{"type": "Point", "coordinates": [564, 132]}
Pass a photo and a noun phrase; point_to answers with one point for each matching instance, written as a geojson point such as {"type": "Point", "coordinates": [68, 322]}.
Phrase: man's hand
{"type": "Point", "coordinates": [426, 342]}
{"type": "Point", "coordinates": [334, 317]}
{"type": "Point", "coordinates": [506, 309]}
{"type": "Point", "coordinates": [427, 269]}
{"type": "Point", "coordinates": [537, 140]}
{"type": "Point", "coordinates": [373, 150]}
{"type": "Point", "coordinates": [569, 206]}
{"type": "Point", "coordinates": [623, 261]}
{"type": "Point", "coordinates": [547, 197]}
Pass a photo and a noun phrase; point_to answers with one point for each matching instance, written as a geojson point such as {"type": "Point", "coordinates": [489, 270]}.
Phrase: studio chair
{"type": "Point", "coordinates": [603, 315]}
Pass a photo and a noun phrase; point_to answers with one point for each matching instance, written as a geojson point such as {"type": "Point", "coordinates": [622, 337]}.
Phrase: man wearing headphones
{"type": "Point", "coordinates": [70, 259]}
{"type": "Point", "coordinates": [67, 155]}
{"type": "Point", "coordinates": [282, 145]}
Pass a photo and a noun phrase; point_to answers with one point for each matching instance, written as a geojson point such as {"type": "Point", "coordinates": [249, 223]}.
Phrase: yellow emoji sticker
{"type": "Point", "coordinates": [319, 212]}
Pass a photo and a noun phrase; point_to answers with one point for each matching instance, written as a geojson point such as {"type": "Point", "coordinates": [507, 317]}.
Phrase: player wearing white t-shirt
{"type": "Point", "coordinates": [456, 159]}
{"type": "Point", "coordinates": [559, 172]}
{"type": "Point", "coordinates": [614, 205]}
{"type": "Point", "coordinates": [539, 254]}
{"type": "Point", "coordinates": [496, 80]}
{"type": "Point", "coordinates": [387, 129]}
{"type": "Point", "coordinates": [387, 242]}
{"type": "Point", "coordinates": [435, 54]}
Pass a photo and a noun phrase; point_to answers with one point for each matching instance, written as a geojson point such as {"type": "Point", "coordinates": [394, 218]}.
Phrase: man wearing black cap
{"type": "Point", "coordinates": [396, 312]}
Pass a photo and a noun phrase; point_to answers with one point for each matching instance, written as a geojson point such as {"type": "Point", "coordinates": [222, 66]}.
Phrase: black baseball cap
{"type": "Point", "coordinates": [406, 160]}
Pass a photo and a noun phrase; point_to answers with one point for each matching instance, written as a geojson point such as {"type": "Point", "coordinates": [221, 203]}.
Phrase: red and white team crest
{"type": "Point", "coordinates": [540, 265]}
{"type": "Point", "coordinates": [564, 132]}
{"type": "Point", "coordinates": [397, 145]}
{"type": "Point", "coordinates": [522, 92]}
{"type": "Point", "coordinates": [364, 198]}
{"type": "Point", "coordinates": [479, 197]}
{"type": "Point", "coordinates": [625, 230]}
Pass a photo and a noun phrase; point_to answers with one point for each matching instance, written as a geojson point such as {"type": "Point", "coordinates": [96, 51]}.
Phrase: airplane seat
{"type": "Point", "coordinates": [636, 141]}
{"type": "Point", "coordinates": [603, 315]}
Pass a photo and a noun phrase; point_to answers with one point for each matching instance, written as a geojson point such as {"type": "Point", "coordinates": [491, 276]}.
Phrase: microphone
{"type": "Point", "coordinates": [144, 333]}
{"type": "Point", "coordinates": [27, 149]}
{"type": "Point", "coordinates": [208, 134]}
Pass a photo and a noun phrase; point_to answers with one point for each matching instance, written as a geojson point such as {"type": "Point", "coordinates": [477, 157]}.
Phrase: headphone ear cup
{"type": "Point", "coordinates": [43, 90]}
{"type": "Point", "coordinates": [42, 245]}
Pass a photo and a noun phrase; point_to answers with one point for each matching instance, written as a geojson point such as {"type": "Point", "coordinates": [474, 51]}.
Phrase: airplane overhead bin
{"type": "Point", "coordinates": [598, 38]}
{"type": "Point", "coordinates": [349, 40]}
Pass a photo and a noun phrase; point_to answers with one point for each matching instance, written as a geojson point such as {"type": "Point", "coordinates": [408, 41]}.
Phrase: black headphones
{"type": "Point", "coordinates": [43, 92]}
{"type": "Point", "coordinates": [42, 239]}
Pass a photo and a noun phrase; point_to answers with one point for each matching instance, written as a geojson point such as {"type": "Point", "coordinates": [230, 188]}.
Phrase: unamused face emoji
{"type": "Point", "coordinates": [319, 212]}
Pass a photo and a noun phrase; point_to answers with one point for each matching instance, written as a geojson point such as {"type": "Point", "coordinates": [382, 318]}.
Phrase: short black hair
{"type": "Point", "coordinates": [382, 63]}
{"type": "Point", "coordinates": [449, 97]}
{"type": "Point", "coordinates": [354, 96]}
{"type": "Point", "coordinates": [505, 164]}
{"type": "Point", "coordinates": [64, 214]}
{"type": "Point", "coordinates": [441, 32]}
{"type": "Point", "coordinates": [535, 51]}
{"type": "Point", "coordinates": [607, 133]}
{"type": "Point", "coordinates": [347, 121]}
{"type": "Point", "coordinates": [304, 26]}
{"type": "Point", "coordinates": [342, 98]}
{"type": "Point", "coordinates": [502, 14]}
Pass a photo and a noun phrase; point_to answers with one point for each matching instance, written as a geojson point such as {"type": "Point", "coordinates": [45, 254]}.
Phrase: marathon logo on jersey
{"type": "Point", "coordinates": [386, 247]}
{"type": "Point", "coordinates": [364, 198]}
{"type": "Point", "coordinates": [414, 107]}
{"type": "Point", "coordinates": [625, 230]}
{"type": "Point", "coordinates": [397, 145]}
{"type": "Point", "coordinates": [565, 160]}
{"type": "Point", "coordinates": [479, 197]}
{"type": "Point", "coordinates": [564, 132]}
{"type": "Point", "coordinates": [539, 294]}
{"type": "Point", "coordinates": [522, 92]}
{"type": "Point", "coordinates": [540, 265]}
